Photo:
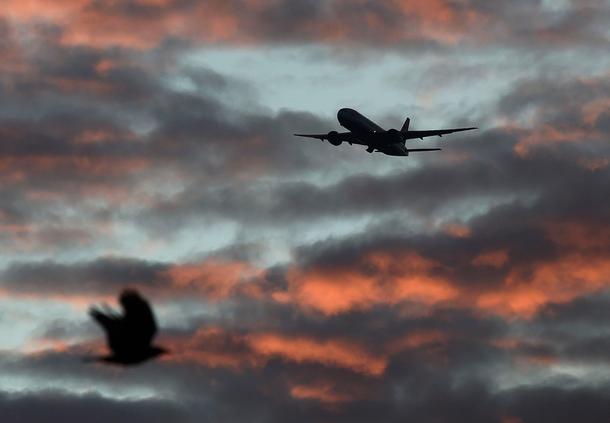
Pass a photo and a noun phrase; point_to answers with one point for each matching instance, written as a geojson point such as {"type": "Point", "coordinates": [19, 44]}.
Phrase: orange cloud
{"type": "Point", "coordinates": [334, 353]}
{"type": "Point", "coordinates": [379, 278]}
{"type": "Point", "coordinates": [526, 351]}
{"type": "Point", "coordinates": [581, 235]}
{"type": "Point", "coordinates": [79, 164]}
{"type": "Point", "coordinates": [45, 345]}
{"type": "Point", "coordinates": [594, 109]}
{"type": "Point", "coordinates": [216, 278]}
{"type": "Point", "coordinates": [418, 339]}
{"type": "Point", "coordinates": [215, 347]}
{"type": "Point", "coordinates": [440, 20]}
{"type": "Point", "coordinates": [525, 291]}
{"type": "Point", "coordinates": [53, 10]}
{"type": "Point", "coordinates": [457, 231]}
{"type": "Point", "coordinates": [548, 134]}
{"type": "Point", "coordinates": [106, 24]}
{"type": "Point", "coordinates": [324, 392]}
{"type": "Point", "coordinates": [594, 164]}
{"type": "Point", "coordinates": [80, 302]}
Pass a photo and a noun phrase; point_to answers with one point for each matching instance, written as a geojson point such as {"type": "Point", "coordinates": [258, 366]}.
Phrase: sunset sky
{"type": "Point", "coordinates": [148, 144]}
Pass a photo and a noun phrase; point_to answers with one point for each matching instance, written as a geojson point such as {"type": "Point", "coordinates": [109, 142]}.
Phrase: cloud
{"type": "Point", "coordinates": [141, 24]}
{"type": "Point", "coordinates": [377, 279]}
{"type": "Point", "coordinates": [211, 278]}
{"type": "Point", "coordinates": [294, 281]}
{"type": "Point", "coordinates": [48, 406]}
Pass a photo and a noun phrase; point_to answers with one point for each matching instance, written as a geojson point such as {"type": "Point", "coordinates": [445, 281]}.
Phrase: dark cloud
{"type": "Point", "coordinates": [87, 127]}
{"type": "Point", "coordinates": [52, 405]}
{"type": "Point", "coordinates": [493, 170]}
{"type": "Point", "coordinates": [410, 389]}
{"type": "Point", "coordinates": [568, 133]}
{"type": "Point", "coordinates": [104, 275]}
{"type": "Point", "coordinates": [560, 404]}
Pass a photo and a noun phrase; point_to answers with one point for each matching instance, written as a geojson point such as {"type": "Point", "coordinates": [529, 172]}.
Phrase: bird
{"type": "Point", "coordinates": [130, 335]}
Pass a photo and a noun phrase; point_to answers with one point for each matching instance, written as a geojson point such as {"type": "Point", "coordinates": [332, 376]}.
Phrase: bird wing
{"type": "Point", "coordinates": [111, 325]}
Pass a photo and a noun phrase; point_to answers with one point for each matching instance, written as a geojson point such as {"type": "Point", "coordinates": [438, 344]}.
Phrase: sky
{"type": "Point", "coordinates": [148, 144]}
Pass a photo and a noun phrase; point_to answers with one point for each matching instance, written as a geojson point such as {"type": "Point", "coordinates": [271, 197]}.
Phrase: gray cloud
{"type": "Point", "coordinates": [104, 275]}
{"type": "Point", "coordinates": [53, 405]}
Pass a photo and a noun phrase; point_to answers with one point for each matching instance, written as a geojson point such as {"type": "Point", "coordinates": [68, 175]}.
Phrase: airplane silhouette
{"type": "Point", "coordinates": [366, 132]}
{"type": "Point", "coordinates": [130, 335]}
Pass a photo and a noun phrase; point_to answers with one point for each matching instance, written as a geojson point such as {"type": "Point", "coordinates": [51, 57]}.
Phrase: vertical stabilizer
{"type": "Point", "coordinates": [405, 126]}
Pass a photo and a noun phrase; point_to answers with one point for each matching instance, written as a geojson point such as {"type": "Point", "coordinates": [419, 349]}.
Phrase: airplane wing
{"type": "Point", "coordinates": [339, 136]}
{"type": "Point", "coordinates": [409, 135]}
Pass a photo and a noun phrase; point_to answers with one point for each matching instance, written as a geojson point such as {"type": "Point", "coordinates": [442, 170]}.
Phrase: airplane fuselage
{"type": "Point", "coordinates": [373, 134]}
{"type": "Point", "coordinates": [355, 122]}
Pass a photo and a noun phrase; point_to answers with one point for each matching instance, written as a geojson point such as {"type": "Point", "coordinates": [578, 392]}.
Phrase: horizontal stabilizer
{"type": "Point", "coordinates": [317, 136]}
{"type": "Point", "coordinates": [411, 150]}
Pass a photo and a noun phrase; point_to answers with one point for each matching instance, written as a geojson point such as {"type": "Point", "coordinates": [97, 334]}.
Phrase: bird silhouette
{"type": "Point", "coordinates": [129, 335]}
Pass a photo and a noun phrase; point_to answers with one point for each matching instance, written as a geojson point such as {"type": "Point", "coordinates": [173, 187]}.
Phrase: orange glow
{"type": "Point", "coordinates": [215, 347]}
{"type": "Point", "coordinates": [543, 360]}
{"type": "Point", "coordinates": [457, 231]}
{"type": "Point", "coordinates": [418, 339]}
{"type": "Point", "coordinates": [579, 235]}
{"type": "Point", "coordinates": [80, 302]}
{"type": "Point", "coordinates": [333, 292]}
{"type": "Point", "coordinates": [333, 353]}
{"type": "Point", "coordinates": [54, 10]}
{"type": "Point", "coordinates": [424, 289]}
{"type": "Point", "coordinates": [547, 134]}
{"type": "Point", "coordinates": [217, 279]}
{"type": "Point", "coordinates": [85, 22]}
{"type": "Point", "coordinates": [594, 164]}
{"type": "Point", "coordinates": [523, 351]}
{"type": "Point", "coordinates": [45, 345]}
{"type": "Point", "coordinates": [439, 20]}
{"type": "Point", "coordinates": [392, 279]}
{"type": "Point", "coordinates": [557, 281]}
{"type": "Point", "coordinates": [323, 392]}
{"type": "Point", "coordinates": [86, 165]}
{"type": "Point", "coordinates": [593, 110]}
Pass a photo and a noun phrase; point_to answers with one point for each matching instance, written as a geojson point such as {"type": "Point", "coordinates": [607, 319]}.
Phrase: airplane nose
{"type": "Point", "coordinates": [343, 113]}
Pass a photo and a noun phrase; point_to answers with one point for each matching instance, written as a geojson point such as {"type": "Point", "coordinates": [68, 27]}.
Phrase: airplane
{"type": "Point", "coordinates": [363, 131]}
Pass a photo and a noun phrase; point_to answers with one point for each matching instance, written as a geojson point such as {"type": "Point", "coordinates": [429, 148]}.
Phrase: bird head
{"type": "Point", "coordinates": [130, 297]}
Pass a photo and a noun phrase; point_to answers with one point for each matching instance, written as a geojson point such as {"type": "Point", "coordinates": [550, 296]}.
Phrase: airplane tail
{"type": "Point", "coordinates": [405, 126]}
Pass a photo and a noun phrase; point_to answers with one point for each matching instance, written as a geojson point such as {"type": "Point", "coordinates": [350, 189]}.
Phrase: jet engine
{"type": "Point", "coordinates": [333, 138]}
